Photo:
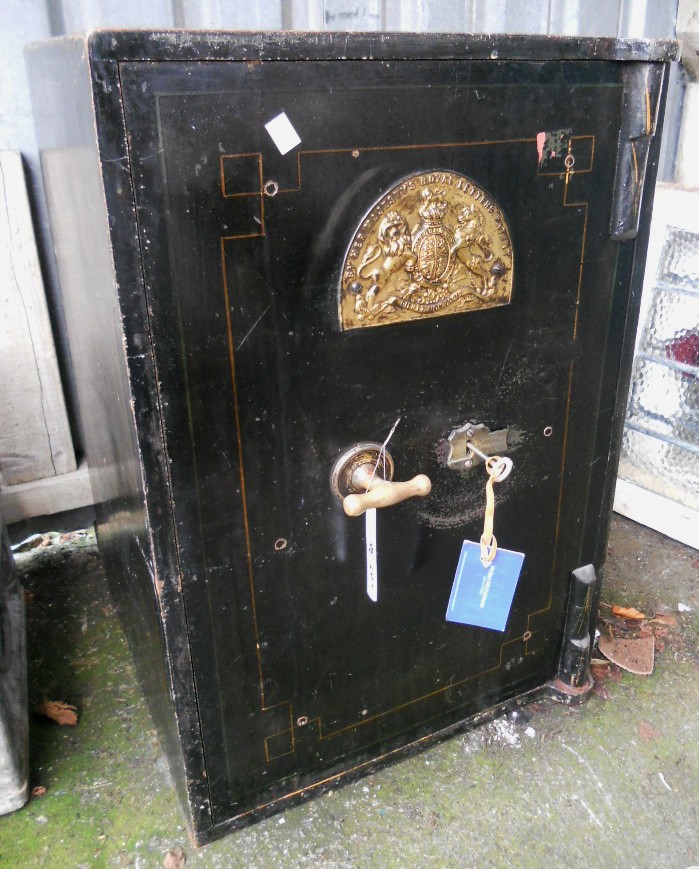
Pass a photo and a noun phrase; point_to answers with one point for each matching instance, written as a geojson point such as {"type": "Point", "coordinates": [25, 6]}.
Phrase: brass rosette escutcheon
{"type": "Point", "coordinates": [435, 244]}
{"type": "Point", "coordinates": [370, 455]}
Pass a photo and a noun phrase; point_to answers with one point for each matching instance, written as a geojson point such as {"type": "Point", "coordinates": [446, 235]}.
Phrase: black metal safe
{"type": "Point", "coordinates": [274, 246]}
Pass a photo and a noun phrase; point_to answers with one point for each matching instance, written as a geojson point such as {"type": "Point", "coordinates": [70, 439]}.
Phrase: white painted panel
{"type": "Point", "coordinates": [82, 15]}
{"type": "Point", "coordinates": [402, 15]}
{"type": "Point", "coordinates": [437, 16]}
{"type": "Point", "coordinates": [447, 16]}
{"type": "Point", "coordinates": [526, 16]}
{"type": "Point", "coordinates": [35, 438]}
{"type": "Point", "coordinates": [302, 14]}
{"type": "Point", "coordinates": [653, 510]}
{"type": "Point", "coordinates": [489, 16]}
{"type": "Point", "coordinates": [585, 17]}
{"type": "Point", "coordinates": [20, 23]}
{"type": "Point", "coordinates": [648, 18]}
{"type": "Point", "coordinates": [687, 171]}
{"type": "Point", "coordinates": [228, 14]}
{"type": "Point", "coordinates": [197, 13]}
{"type": "Point", "coordinates": [565, 17]}
{"type": "Point", "coordinates": [259, 15]}
{"type": "Point", "coordinates": [357, 16]}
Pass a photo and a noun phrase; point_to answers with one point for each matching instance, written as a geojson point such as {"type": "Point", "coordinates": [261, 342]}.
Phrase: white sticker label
{"type": "Point", "coordinates": [372, 570]}
{"type": "Point", "coordinates": [283, 133]}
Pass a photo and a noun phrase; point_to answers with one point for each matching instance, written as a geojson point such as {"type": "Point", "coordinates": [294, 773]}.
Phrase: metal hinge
{"type": "Point", "coordinates": [639, 118]}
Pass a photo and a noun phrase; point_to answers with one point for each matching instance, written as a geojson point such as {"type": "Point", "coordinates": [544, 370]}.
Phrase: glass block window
{"type": "Point", "coordinates": [660, 449]}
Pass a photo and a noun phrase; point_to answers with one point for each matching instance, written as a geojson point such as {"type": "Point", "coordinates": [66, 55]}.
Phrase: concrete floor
{"type": "Point", "coordinates": [612, 783]}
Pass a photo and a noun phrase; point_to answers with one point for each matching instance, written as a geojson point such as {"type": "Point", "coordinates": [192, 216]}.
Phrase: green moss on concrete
{"type": "Point", "coordinates": [101, 786]}
{"type": "Point", "coordinates": [560, 786]}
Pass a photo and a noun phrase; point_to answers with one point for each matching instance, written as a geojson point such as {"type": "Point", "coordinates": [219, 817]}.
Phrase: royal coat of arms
{"type": "Point", "coordinates": [435, 244]}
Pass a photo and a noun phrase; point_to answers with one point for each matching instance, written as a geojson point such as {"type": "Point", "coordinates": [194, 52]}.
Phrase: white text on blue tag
{"type": "Point", "coordinates": [482, 596]}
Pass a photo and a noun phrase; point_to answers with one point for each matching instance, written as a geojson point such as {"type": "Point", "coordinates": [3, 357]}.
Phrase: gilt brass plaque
{"type": "Point", "coordinates": [435, 244]}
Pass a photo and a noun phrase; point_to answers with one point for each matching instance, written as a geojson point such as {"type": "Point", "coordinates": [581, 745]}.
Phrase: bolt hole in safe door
{"type": "Point", "coordinates": [402, 268]}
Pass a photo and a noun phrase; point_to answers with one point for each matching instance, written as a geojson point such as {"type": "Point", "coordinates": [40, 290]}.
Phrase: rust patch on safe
{"type": "Point", "coordinates": [435, 244]}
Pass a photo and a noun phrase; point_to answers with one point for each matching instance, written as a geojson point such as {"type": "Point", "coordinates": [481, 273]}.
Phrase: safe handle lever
{"type": "Point", "coordinates": [380, 492]}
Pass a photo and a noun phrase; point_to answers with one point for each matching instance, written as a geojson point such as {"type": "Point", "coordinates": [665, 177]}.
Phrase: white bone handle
{"type": "Point", "coordinates": [383, 493]}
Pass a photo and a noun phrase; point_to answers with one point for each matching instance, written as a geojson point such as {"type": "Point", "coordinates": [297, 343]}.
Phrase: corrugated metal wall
{"type": "Point", "coordinates": [22, 22]}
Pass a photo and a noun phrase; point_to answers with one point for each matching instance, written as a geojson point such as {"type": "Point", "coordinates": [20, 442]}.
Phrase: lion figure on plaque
{"type": "Point", "coordinates": [429, 267]}
{"type": "Point", "coordinates": [473, 249]}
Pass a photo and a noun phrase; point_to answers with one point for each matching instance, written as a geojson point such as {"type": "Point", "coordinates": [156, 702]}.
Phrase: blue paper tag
{"type": "Point", "coordinates": [482, 596]}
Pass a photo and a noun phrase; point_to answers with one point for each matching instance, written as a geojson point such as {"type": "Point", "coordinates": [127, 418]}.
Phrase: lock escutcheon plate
{"type": "Point", "coordinates": [492, 443]}
{"type": "Point", "coordinates": [341, 478]}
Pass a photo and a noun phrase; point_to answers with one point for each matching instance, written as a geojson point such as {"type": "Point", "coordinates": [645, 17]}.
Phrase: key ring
{"type": "Point", "coordinates": [499, 468]}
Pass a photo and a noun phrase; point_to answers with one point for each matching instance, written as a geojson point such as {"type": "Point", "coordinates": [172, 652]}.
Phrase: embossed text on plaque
{"type": "Point", "coordinates": [435, 244]}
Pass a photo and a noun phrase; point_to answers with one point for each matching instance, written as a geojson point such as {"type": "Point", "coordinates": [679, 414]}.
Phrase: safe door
{"type": "Point", "coordinates": [334, 251]}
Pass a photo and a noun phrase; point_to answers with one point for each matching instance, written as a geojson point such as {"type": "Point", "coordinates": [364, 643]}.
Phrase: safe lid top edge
{"type": "Point", "coordinates": [202, 45]}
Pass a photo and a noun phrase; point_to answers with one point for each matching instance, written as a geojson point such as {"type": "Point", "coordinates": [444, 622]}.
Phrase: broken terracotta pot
{"type": "Point", "coordinates": [636, 656]}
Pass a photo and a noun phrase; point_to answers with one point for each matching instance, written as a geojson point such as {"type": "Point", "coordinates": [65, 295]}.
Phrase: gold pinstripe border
{"type": "Point", "coordinates": [568, 172]}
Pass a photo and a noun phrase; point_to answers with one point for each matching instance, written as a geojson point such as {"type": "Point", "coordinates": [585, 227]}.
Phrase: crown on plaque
{"type": "Point", "coordinates": [433, 206]}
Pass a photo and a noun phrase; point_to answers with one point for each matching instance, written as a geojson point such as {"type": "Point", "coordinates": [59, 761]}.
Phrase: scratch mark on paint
{"type": "Point", "coordinates": [253, 327]}
{"type": "Point", "coordinates": [502, 370]}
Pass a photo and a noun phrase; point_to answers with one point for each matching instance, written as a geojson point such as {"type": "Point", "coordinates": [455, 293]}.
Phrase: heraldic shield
{"type": "Point", "coordinates": [435, 244]}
